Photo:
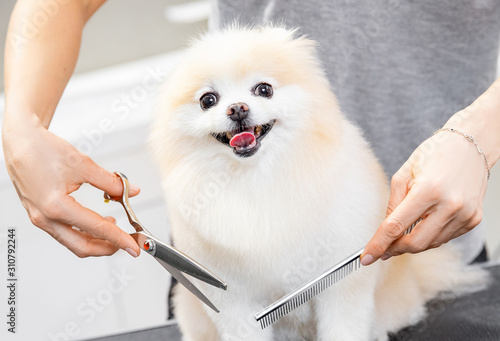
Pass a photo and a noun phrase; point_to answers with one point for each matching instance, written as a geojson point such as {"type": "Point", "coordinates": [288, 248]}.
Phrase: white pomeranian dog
{"type": "Point", "coordinates": [268, 185]}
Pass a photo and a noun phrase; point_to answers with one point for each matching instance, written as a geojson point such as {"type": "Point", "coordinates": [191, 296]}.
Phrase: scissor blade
{"type": "Point", "coordinates": [185, 282]}
{"type": "Point", "coordinates": [179, 260]}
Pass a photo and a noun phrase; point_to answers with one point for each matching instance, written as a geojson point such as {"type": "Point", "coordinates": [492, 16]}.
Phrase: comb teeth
{"type": "Point", "coordinates": [303, 294]}
{"type": "Point", "coordinates": [309, 290]}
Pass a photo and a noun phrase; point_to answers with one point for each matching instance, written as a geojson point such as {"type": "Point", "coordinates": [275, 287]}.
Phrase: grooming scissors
{"type": "Point", "coordinates": [174, 261]}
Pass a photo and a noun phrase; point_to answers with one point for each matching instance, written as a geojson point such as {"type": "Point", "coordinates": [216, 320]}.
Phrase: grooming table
{"type": "Point", "coordinates": [471, 317]}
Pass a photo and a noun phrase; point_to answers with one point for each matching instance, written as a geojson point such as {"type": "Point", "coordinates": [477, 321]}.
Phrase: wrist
{"type": "Point", "coordinates": [471, 139]}
{"type": "Point", "coordinates": [27, 109]}
{"type": "Point", "coordinates": [481, 120]}
{"type": "Point", "coordinates": [488, 144]}
{"type": "Point", "coordinates": [19, 125]}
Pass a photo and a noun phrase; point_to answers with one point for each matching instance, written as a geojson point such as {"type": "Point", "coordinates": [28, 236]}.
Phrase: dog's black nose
{"type": "Point", "coordinates": [238, 111]}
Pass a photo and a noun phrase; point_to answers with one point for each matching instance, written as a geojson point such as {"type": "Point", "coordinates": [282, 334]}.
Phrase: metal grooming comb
{"type": "Point", "coordinates": [301, 295]}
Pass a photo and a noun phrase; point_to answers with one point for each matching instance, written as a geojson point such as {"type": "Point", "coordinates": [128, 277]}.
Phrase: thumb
{"type": "Point", "coordinates": [107, 181]}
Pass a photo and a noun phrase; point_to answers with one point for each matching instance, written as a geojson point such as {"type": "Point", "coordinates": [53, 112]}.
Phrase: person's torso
{"type": "Point", "coordinates": [400, 69]}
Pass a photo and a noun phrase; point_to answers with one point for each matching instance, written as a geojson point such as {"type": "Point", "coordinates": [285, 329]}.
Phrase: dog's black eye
{"type": "Point", "coordinates": [263, 90]}
{"type": "Point", "coordinates": [208, 100]}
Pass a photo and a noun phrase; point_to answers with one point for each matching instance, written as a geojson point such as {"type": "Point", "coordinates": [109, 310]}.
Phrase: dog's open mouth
{"type": "Point", "coordinates": [245, 141]}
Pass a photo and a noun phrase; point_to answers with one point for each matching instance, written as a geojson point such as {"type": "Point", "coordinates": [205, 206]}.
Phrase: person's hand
{"type": "Point", "coordinates": [443, 182]}
{"type": "Point", "coordinates": [45, 169]}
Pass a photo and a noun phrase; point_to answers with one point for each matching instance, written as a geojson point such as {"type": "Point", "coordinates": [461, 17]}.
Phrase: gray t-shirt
{"type": "Point", "coordinates": [399, 69]}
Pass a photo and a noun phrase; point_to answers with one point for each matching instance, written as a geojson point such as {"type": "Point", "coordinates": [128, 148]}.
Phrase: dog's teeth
{"type": "Point", "coordinates": [258, 130]}
{"type": "Point", "coordinates": [229, 135]}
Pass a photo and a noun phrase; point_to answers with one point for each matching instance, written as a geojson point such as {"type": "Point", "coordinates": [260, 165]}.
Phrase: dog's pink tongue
{"type": "Point", "coordinates": [242, 140]}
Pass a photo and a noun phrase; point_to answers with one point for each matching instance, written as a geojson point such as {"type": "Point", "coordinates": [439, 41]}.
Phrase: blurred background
{"type": "Point", "coordinates": [127, 30]}
{"type": "Point", "coordinates": [105, 112]}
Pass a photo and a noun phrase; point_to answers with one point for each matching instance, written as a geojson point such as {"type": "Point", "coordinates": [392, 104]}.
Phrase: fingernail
{"type": "Point", "coordinates": [367, 260]}
{"type": "Point", "coordinates": [385, 256]}
{"type": "Point", "coordinates": [131, 252]}
{"type": "Point", "coordinates": [134, 188]}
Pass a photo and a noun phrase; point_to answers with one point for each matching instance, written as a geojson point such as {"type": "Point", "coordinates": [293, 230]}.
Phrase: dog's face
{"type": "Point", "coordinates": [244, 93]}
{"type": "Point", "coordinates": [242, 113]}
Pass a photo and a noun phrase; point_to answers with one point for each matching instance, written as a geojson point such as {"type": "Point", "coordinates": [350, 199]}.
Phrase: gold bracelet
{"type": "Point", "coordinates": [470, 139]}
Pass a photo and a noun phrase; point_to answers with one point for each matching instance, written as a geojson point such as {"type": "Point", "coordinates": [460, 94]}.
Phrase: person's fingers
{"type": "Point", "coordinates": [81, 243]}
{"type": "Point", "coordinates": [426, 234]}
{"type": "Point", "coordinates": [393, 227]}
{"type": "Point", "coordinates": [107, 181]}
{"type": "Point", "coordinates": [399, 190]}
{"type": "Point", "coordinates": [92, 223]}
{"type": "Point", "coordinates": [460, 232]}
{"type": "Point", "coordinates": [468, 224]}
{"type": "Point", "coordinates": [455, 228]}
{"type": "Point", "coordinates": [438, 228]}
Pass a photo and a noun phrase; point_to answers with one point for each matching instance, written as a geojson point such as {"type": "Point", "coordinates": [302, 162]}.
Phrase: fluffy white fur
{"type": "Point", "coordinates": [311, 195]}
